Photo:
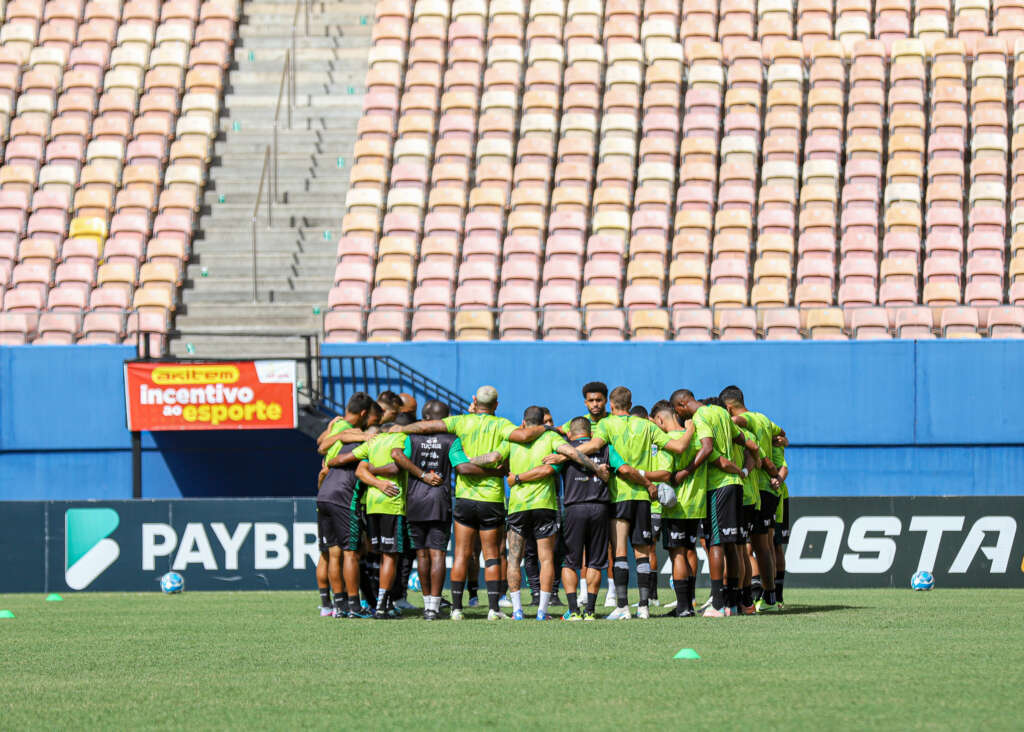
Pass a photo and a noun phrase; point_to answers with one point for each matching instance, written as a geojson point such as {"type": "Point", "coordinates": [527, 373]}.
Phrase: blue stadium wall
{"type": "Point", "coordinates": [866, 419]}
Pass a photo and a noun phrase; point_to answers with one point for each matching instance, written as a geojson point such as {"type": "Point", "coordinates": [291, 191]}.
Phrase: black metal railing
{"type": "Point", "coordinates": [341, 376]}
{"type": "Point", "coordinates": [327, 382]}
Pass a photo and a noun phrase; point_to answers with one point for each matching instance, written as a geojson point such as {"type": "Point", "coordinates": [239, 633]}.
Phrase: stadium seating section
{"type": "Point", "coordinates": [687, 169]}
{"type": "Point", "coordinates": [108, 112]}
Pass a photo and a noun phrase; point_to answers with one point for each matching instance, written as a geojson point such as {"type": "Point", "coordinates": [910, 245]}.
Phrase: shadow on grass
{"type": "Point", "coordinates": [814, 609]}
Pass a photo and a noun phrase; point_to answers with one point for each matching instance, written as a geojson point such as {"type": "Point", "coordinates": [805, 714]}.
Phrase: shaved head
{"type": "Point", "coordinates": [408, 403]}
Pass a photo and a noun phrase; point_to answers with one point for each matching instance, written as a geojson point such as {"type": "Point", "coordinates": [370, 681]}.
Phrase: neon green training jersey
{"type": "Point", "coordinates": [377, 452]}
{"type": "Point", "coordinates": [542, 493]}
{"type": "Point", "coordinates": [481, 434]}
{"type": "Point", "coordinates": [714, 422]}
{"type": "Point", "coordinates": [691, 494]}
{"type": "Point", "coordinates": [633, 438]}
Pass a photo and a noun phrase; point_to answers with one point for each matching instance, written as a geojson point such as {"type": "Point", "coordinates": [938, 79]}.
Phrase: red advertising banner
{"type": "Point", "coordinates": [228, 395]}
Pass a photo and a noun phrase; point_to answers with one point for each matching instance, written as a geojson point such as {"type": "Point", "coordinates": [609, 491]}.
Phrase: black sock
{"type": "Point", "coordinates": [473, 586]}
{"type": "Point", "coordinates": [325, 597]}
{"type": "Point", "coordinates": [574, 606]}
{"type": "Point", "coordinates": [457, 589]}
{"type": "Point", "coordinates": [717, 594]}
{"type": "Point", "coordinates": [732, 595]}
{"type": "Point", "coordinates": [691, 591]}
{"type": "Point", "coordinates": [503, 588]}
{"type": "Point", "coordinates": [680, 588]}
{"type": "Point", "coordinates": [780, 577]}
{"type": "Point", "coordinates": [748, 596]}
{"type": "Point", "coordinates": [620, 573]}
{"type": "Point", "coordinates": [340, 604]}
{"type": "Point", "coordinates": [643, 580]}
{"type": "Point", "coordinates": [757, 587]}
{"type": "Point", "coordinates": [591, 601]}
{"type": "Point", "coordinates": [652, 582]}
{"type": "Point", "coordinates": [493, 594]}
{"type": "Point", "coordinates": [353, 603]}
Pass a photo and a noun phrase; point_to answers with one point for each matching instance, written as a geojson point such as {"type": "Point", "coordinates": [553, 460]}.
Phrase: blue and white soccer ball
{"type": "Point", "coordinates": [172, 583]}
{"type": "Point", "coordinates": [414, 582]}
{"type": "Point", "coordinates": [922, 580]}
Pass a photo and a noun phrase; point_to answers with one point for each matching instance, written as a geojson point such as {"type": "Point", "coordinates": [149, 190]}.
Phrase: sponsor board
{"type": "Point", "coordinates": [248, 544]}
{"type": "Point", "coordinates": [225, 395]}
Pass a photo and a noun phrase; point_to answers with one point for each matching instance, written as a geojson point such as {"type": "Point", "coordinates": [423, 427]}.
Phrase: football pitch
{"type": "Point", "coordinates": [841, 659]}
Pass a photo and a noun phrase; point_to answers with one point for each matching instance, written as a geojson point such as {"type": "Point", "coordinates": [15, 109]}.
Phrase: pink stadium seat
{"type": "Point", "coordinates": [914, 322]}
{"type": "Point", "coordinates": [738, 324]}
{"type": "Point", "coordinates": [781, 324]}
{"type": "Point", "coordinates": [15, 328]}
{"type": "Point", "coordinates": [518, 325]}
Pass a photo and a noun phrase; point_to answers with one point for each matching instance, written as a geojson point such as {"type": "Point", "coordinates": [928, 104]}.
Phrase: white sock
{"type": "Point", "coordinates": [545, 598]}
{"type": "Point", "coordinates": [517, 600]}
{"type": "Point", "coordinates": [583, 590]}
{"type": "Point", "coordinates": [611, 587]}
{"type": "Point", "coordinates": [380, 599]}
{"type": "Point", "coordinates": [428, 602]}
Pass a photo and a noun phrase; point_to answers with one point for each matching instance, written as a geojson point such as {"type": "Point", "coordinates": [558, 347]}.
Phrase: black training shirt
{"type": "Point", "coordinates": [582, 486]}
{"type": "Point", "coordinates": [423, 501]}
{"type": "Point", "coordinates": [340, 484]}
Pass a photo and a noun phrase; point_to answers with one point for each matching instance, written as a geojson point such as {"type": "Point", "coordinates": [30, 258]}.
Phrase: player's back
{"type": "Point", "coordinates": [480, 434]}
{"type": "Point", "coordinates": [430, 453]}
{"type": "Point", "coordinates": [339, 484]}
{"type": "Point", "coordinates": [579, 485]}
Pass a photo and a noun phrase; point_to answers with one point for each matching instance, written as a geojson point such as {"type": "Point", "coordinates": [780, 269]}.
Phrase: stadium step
{"type": "Point", "coordinates": [296, 255]}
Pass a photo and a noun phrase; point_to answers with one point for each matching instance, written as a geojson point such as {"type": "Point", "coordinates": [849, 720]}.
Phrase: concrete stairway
{"type": "Point", "coordinates": [296, 255]}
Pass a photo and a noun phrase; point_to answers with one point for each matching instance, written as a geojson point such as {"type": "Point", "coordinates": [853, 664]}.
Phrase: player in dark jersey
{"type": "Point", "coordinates": [339, 501]}
{"type": "Point", "coordinates": [586, 521]}
{"type": "Point", "coordinates": [360, 412]}
{"type": "Point", "coordinates": [429, 504]}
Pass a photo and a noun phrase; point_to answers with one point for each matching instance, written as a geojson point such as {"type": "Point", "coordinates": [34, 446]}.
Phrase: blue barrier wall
{"type": "Point", "coordinates": [870, 418]}
{"type": "Point", "coordinates": [63, 436]}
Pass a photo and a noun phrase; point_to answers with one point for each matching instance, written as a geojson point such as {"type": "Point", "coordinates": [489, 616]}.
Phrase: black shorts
{"type": "Point", "coordinates": [479, 515]}
{"type": "Point", "coordinates": [388, 533]}
{"type": "Point", "coordinates": [638, 514]}
{"type": "Point", "coordinates": [656, 522]}
{"type": "Point", "coordinates": [430, 534]}
{"type": "Point", "coordinates": [748, 522]}
{"type": "Point", "coordinates": [766, 515]}
{"type": "Point", "coordinates": [347, 525]}
{"type": "Point", "coordinates": [325, 537]}
{"type": "Point", "coordinates": [585, 530]}
{"type": "Point", "coordinates": [680, 533]}
{"type": "Point", "coordinates": [725, 506]}
{"type": "Point", "coordinates": [782, 529]}
{"type": "Point", "coordinates": [534, 523]}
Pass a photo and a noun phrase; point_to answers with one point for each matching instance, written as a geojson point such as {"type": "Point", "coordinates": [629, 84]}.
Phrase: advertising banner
{"type": "Point", "coordinates": [225, 395]}
{"type": "Point", "coordinates": [271, 544]}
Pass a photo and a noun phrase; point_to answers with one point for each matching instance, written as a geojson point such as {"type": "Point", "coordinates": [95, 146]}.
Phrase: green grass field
{"type": "Point", "coordinates": [850, 659]}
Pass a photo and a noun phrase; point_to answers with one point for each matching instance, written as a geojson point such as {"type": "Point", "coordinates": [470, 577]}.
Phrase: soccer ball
{"type": "Point", "coordinates": [666, 495]}
{"type": "Point", "coordinates": [922, 580]}
{"type": "Point", "coordinates": [172, 583]}
{"type": "Point", "coordinates": [414, 582]}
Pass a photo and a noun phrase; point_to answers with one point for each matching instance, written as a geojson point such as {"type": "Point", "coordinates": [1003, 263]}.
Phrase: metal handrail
{"type": "Point", "coordinates": [287, 74]}
{"type": "Point", "coordinates": [255, 215]}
